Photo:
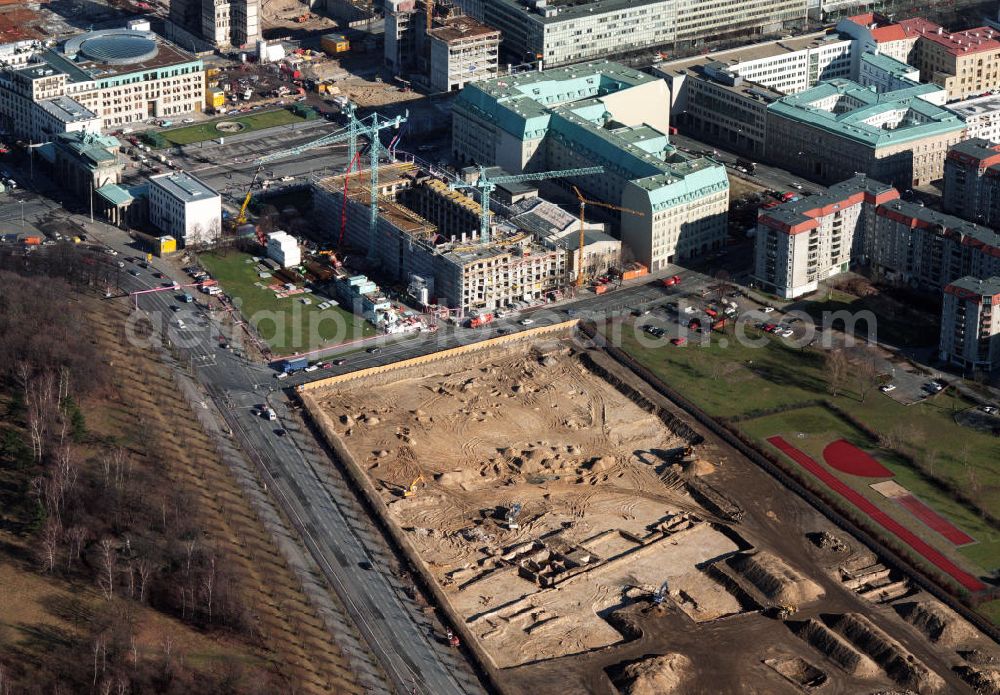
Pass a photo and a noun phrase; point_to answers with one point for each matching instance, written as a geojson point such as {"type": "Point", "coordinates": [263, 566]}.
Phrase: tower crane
{"type": "Point", "coordinates": [486, 185]}
{"type": "Point", "coordinates": [370, 127]}
{"type": "Point", "coordinates": [584, 202]}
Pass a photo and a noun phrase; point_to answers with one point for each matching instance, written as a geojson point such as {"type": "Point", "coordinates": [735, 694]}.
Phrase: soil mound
{"type": "Point", "coordinates": [901, 665]}
{"type": "Point", "coordinates": [837, 649]}
{"type": "Point", "coordinates": [656, 675]}
{"type": "Point", "coordinates": [985, 681]}
{"type": "Point", "coordinates": [777, 580]}
{"type": "Point", "coordinates": [937, 622]}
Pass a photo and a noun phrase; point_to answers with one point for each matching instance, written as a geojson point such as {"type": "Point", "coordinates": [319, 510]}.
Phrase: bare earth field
{"type": "Point", "coordinates": [551, 496]}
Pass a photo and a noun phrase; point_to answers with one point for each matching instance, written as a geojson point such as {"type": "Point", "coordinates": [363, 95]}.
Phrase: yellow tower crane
{"type": "Point", "coordinates": [580, 279]}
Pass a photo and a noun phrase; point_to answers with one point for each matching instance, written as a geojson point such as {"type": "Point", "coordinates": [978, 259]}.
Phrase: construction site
{"type": "Point", "coordinates": [581, 533]}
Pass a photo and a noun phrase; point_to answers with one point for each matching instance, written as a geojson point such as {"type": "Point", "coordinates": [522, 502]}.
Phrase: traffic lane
{"type": "Point", "coordinates": [389, 632]}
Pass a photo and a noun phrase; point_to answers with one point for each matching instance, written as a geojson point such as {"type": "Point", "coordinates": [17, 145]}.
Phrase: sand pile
{"type": "Point", "coordinates": [985, 681]}
{"type": "Point", "coordinates": [656, 675]}
{"type": "Point", "coordinates": [700, 467]}
{"type": "Point", "coordinates": [901, 665]}
{"type": "Point", "coordinates": [777, 580]}
{"type": "Point", "coordinates": [936, 621]}
{"type": "Point", "coordinates": [837, 649]}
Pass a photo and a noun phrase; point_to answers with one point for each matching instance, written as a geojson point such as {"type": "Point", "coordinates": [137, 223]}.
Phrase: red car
{"type": "Point", "coordinates": [785, 197]}
{"type": "Point", "coordinates": [768, 327]}
{"type": "Point", "coordinates": [678, 341]}
{"type": "Point", "coordinates": [671, 281]}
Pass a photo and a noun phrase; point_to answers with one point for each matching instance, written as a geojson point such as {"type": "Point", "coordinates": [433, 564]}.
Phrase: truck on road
{"type": "Point", "coordinates": [295, 364]}
{"type": "Point", "coordinates": [480, 320]}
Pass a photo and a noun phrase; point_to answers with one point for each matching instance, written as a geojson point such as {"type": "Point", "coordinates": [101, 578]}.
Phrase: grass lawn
{"type": "Point", "coordinates": [731, 380]}
{"type": "Point", "coordinates": [288, 325]}
{"type": "Point", "coordinates": [185, 135]}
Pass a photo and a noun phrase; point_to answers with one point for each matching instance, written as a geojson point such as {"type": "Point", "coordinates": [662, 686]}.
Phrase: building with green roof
{"type": "Point", "coordinates": [84, 162]}
{"type": "Point", "coordinates": [839, 128]}
{"type": "Point", "coordinates": [601, 113]}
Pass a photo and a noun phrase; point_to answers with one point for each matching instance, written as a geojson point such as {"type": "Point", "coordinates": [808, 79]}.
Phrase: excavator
{"type": "Point", "coordinates": [411, 490]}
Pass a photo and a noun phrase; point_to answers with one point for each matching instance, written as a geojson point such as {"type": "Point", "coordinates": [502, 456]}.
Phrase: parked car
{"type": "Point", "coordinates": [888, 388]}
{"type": "Point", "coordinates": [339, 361]}
{"type": "Point", "coordinates": [526, 322]}
{"type": "Point", "coordinates": [989, 409]}
{"type": "Point", "coordinates": [678, 341]}
{"type": "Point", "coordinates": [312, 368]}
{"type": "Point", "coordinates": [671, 281]}
{"type": "Point", "coordinates": [768, 309]}
{"type": "Point", "coordinates": [374, 350]}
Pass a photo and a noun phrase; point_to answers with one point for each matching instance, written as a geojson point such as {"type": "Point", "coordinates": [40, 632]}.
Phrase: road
{"type": "Point", "coordinates": [770, 177]}
{"type": "Point", "coordinates": [409, 644]}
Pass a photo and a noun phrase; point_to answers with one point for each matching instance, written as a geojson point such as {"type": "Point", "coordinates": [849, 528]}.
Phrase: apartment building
{"type": "Point", "coordinates": [801, 243]}
{"type": "Point", "coordinates": [862, 221]}
{"type": "Point", "coordinates": [970, 324]}
{"type": "Point", "coordinates": [981, 116]}
{"type": "Point", "coordinates": [972, 181]}
{"type": "Point", "coordinates": [560, 32]}
{"type": "Point", "coordinates": [965, 63]}
{"type": "Point", "coordinates": [916, 246]}
{"type": "Point", "coordinates": [600, 113]}
{"type": "Point", "coordinates": [186, 208]}
{"type": "Point", "coordinates": [121, 76]}
{"type": "Point", "coordinates": [839, 128]}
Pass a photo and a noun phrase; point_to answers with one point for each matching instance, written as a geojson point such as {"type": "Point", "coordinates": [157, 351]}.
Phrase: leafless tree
{"type": "Point", "coordinates": [144, 569]}
{"type": "Point", "coordinates": [865, 372]}
{"type": "Point", "coordinates": [836, 370]}
{"type": "Point", "coordinates": [208, 585]}
{"type": "Point", "coordinates": [76, 537]}
{"type": "Point", "coordinates": [51, 536]}
{"type": "Point", "coordinates": [108, 562]}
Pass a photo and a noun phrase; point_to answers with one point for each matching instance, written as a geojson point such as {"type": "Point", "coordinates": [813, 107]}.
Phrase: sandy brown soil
{"type": "Point", "coordinates": [563, 600]}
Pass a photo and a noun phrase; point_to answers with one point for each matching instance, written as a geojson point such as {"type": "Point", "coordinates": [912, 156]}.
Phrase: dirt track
{"type": "Point", "coordinates": [562, 599]}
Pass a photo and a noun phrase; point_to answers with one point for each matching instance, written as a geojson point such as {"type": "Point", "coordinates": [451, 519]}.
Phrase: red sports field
{"type": "Point", "coordinates": [904, 534]}
{"type": "Point", "coordinates": [934, 520]}
{"type": "Point", "coordinates": [843, 456]}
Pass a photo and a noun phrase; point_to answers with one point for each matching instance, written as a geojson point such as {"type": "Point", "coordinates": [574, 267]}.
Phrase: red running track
{"type": "Point", "coordinates": [934, 520]}
{"type": "Point", "coordinates": [880, 517]}
{"type": "Point", "coordinates": [847, 458]}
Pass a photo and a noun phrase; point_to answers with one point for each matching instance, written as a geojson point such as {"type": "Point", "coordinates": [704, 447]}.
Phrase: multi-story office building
{"type": "Point", "coordinates": [220, 23]}
{"type": "Point", "coordinates": [600, 113]}
{"type": "Point", "coordinates": [981, 115]}
{"type": "Point", "coordinates": [186, 208]}
{"type": "Point", "coordinates": [787, 66]}
{"type": "Point", "coordinates": [449, 51]}
{"type": "Point", "coordinates": [886, 74]}
{"type": "Point", "coordinates": [970, 324]}
{"type": "Point", "coordinates": [454, 268]}
{"type": "Point", "coordinates": [801, 243]}
{"type": "Point", "coordinates": [972, 181]}
{"type": "Point", "coordinates": [876, 33]}
{"type": "Point", "coordinates": [839, 128]}
{"type": "Point", "coordinates": [560, 32]}
{"type": "Point", "coordinates": [120, 76]}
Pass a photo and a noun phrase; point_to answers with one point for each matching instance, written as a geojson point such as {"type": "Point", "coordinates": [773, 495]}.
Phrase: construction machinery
{"type": "Point", "coordinates": [412, 488]}
{"type": "Point", "coordinates": [584, 202]}
{"type": "Point", "coordinates": [486, 185]}
{"type": "Point", "coordinates": [511, 517]}
{"type": "Point", "coordinates": [660, 595]}
{"type": "Point", "coordinates": [370, 127]}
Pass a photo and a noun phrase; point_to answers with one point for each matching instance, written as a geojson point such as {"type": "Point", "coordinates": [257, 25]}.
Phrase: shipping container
{"type": "Point", "coordinates": [635, 270]}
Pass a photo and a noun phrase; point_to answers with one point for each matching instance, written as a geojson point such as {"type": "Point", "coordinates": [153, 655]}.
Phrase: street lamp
{"type": "Point", "coordinates": [22, 214]}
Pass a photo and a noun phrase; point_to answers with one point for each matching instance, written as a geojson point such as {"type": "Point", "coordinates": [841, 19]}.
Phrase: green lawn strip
{"type": "Point", "coordinates": [286, 324]}
{"type": "Point", "coordinates": [991, 609]}
{"type": "Point", "coordinates": [823, 426]}
{"type": "Point", "coordinates": [731, 380]}
{"type": "Point", "coordinates": [185, 135]}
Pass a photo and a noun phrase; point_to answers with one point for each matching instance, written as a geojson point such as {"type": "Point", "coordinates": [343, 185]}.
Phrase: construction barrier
{"type": "Point", "coordinates": [489, 343]}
